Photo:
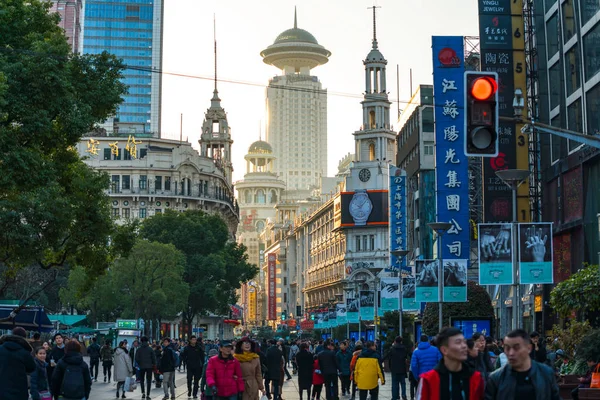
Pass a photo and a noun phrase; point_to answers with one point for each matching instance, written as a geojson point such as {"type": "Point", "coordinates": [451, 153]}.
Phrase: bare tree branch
{"type": "Point", "coordinates": [23, 305]}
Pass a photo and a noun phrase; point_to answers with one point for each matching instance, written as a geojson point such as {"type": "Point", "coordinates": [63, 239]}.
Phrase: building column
{"type": "Point", "coordinates": [177, 331]}
{"type": "Point", "coordinates": [376, 83]}
{"type": "Point", "coordinates": [171, 331]}
{"type": "Point", "coordinates": [383, 81]}
{"type": "Point", "coordinates": [368, 79]}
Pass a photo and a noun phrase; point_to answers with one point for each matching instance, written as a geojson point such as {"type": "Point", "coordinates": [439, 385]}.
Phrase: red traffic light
{"type": "Point", "coordinates": [483, 88]}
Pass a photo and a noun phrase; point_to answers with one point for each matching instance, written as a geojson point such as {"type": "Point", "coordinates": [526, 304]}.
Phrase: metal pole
{"type": "Point", "coordinates": [516, 297]}
{"type": "Point", "coordinates": [440, 287]}
{"type": "Point", "coordinates": [357, 296]}
{"type": "Point", "coordinates": [376, 309]}
{"type": "Point", "coordinates": [400, 303]}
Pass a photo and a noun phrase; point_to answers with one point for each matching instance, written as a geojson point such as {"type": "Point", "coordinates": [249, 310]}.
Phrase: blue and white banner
{"type": "Point", "coordinates": [451, 164]}
{"type": "Point", "coordinates": [333, 318]}
{"type": "Point", "coordinates": [397, 216]}
{"type": "Point", "coordinates": [342, 313]}
{"type": "Point", "coordinates": [409, 295]}
{"type": "Point", "coordinates": [389, 295]}
{"type": "Point", "coordinates": [367, 305]}
{"type": "Point", "coordinates": [352, 309]}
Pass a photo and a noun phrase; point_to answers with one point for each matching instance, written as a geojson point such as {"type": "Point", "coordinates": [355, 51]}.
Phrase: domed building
{"type": "Point", "coordinates": [297, 109]}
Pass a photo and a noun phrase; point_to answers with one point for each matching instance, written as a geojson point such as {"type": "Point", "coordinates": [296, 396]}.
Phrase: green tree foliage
{"type": "Point", "coordinates": [578, 293]}
{"type": "Point", "coordinates": [478, 304]}
{"type": "Point", "coordinates": [53, 210]}
{"type": "Point", "coordinates": [215, 267]}
{"type": "Point", "coordinates": [589, 348]}
{"type": "Point", "coordinates": [569, 338]}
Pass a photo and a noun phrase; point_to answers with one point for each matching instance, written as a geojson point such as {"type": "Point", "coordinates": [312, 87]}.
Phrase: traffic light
{"type": "Point", "coordinates": [283, 315]}
{"type": "Point", "coordinates": [312, 316]}
{"type": "Point", "coordinates": [481, 119]}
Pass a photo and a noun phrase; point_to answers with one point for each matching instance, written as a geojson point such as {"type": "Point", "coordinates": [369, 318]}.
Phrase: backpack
{"type": "Point", "coordinates": [72, 386]}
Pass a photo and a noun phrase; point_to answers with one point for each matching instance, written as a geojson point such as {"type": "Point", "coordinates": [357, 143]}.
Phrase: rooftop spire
{"type": "Point", "coordinates": [374, 26]}
{"type": "Point", "coordinates": [216, 92]}
{"type": "Point", "coordinates": [295, 19]}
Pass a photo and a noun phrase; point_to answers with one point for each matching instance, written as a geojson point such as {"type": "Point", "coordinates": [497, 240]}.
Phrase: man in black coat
{"type": "Point", "coordinates": [146, 361]}
{"type": "Point", "coordinates": [16, 362]}
{"type": "Point", "coordinates": [329, 369]}
{"type": "Point", "coordinates": [304, 362]}
{"type": "Point", "coordinates": [93, 352]}
{"type": "Point", "coordinates": [56, 354]}
{"type": "Point", "coordinates": [538, 350]}
{"type": "Point", "coordinates": [274, 370]}
{"type": "Point", "coordinates": [193, 357]}
{"type": "Point", "coordinates": [397, 359]}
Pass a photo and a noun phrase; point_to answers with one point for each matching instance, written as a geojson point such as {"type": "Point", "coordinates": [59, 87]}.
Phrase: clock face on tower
{"type": "Point", "coordinates": [364, 175]}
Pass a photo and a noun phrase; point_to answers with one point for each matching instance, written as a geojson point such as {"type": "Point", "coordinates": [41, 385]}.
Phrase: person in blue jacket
{"type": "Point", "coordinates": [344, 356]}
{"type": "Point", "coordinates": [425, 358]}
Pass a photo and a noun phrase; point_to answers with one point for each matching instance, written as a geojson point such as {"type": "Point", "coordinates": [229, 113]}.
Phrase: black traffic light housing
{"type": "Point", "coordinates": [481, 119]}
{"type": "Point", "coordinates": [283, 315]}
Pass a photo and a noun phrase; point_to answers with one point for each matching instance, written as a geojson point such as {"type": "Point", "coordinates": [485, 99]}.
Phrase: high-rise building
{"type": "Point", "coordinates": [133, 31]}
{"type": "Point", "coordinates": [297, 109]}
{"type": "Point", "coordinates": [70, 12]}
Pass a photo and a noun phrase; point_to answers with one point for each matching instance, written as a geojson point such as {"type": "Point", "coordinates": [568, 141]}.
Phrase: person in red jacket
{"type": "Point", "coordinates": [317, 381]}
{"type": "Point", "coordinates": [224, 374]}
{"type": "Point", "coordinates": [452, 378]}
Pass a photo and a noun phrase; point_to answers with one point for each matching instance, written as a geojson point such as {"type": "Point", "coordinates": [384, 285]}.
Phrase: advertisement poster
{"type": "Point", "coordinates": [397, 215]}
{"type": "Point", "coordinates": [389, 295]}
{"type": "Point", "coordinates": [495, 254]}
{"type": "Point", "coordinates": [535, 253]}
{"type": "Point", "coordinates": [319, 320]}
{"type": "Point", "coordinates": [333, 318]}
{"type": "Point", "coordinates": [409, 293]}
{"type": "Point", "coordinates": [470, 326]}
{"type": "Point", "coordinates": [455, 281]}
{"type": "Point", "coordinates": [427, 281]}
{"type": "Point", "coordinates": [341, 313]}
{"type": "Point", "coordinates": [272, 266]}
{"type": "Point", "coordinates": [367, 305]}
{"type": "Point", "coordinates": [352, 309]}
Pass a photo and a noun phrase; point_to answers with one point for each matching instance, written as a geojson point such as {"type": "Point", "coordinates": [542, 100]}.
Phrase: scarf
{"type": "Point", "coordinates": [246, 356]}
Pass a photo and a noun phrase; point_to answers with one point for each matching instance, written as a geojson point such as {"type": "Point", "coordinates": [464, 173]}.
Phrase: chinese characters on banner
{"type": "Point", "coordinates": [397, 216]}
{"type": "Point", "coordinates": [251, 303]}
{"type": "Point", "coordinates": [272, 266]}
{"type": "Point", "coordinates": [451, 164]}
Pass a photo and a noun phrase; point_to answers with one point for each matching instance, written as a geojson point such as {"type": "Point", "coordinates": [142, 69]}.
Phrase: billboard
{"type": "Point", "coordinates": [451, 164]}
{"type": "Point", "coordinates": [426, 281]}
{"type": "Point", "coordinates": [398, 217]}
{"type": "Point", "coordinates": [352, 309]}
{"type": "Point", "coordinates": [535, 253]}
{"type": "Point", "coordinates": [455, 280]}
{"type": "Point", "coordinates": [469, 326]}
{"type": "Point", "coordinates": [367, 305]}
{"type": "Point", "coordinates": [495, 254]}
{"type": "Point", "coordinates": [361, 208]}
{"type": "Point", "coordinates": [389, 295]}
{"type": "Point", "coordinates": [272, 295]}
{"type": "Point", "coordinates": [251, 303]}
{"type": "Point", "coordinates": [409, 293]}
{"type": "Point", "coordinates": [341, 313]}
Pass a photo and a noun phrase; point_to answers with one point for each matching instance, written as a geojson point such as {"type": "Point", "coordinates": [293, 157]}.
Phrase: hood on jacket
{"type": "Point", "coordinates": [424, 345]}
{"type": "Point", "coordinates": [120, 350]}
{"type": "Point", "coordinates": [144, 344]}
{"type": "Point", "coordinates": [15, 343]}
{"type": "Point", "coordinates": [368, 353]}
{"type": "Point", "coordinates": [73, 358]}
{"type": "Point", "coordinates": [398, 346]}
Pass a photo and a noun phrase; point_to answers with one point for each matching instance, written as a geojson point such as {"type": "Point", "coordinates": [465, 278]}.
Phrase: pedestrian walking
{"type": "Point", "coordinates": [224, 373]}
{"type": "Point", "coordinates": [274, 370]}
{"type": "Point", "coordinates": [344, 358]}
{"type": "Point", "coordinates": [123, 367]}
{"type": "Point", "coordinates": [16, 362]}
{"type": "Point", "coordinates": [317, 380]}
{"type": "Point", "coordinates": [39, 387]}
{"type": "Point", "coordinates": [132, 352]}
{"type": "Point", "coordinates": [521, 377]}
{"type": "Point", "coordinates": [106, 355]}
{"type": "Point", "coordinates": [538, 350]}
{"type": "Point", "coordinates": [368, 372]}
{"type": "Point", "coordinates": [425, 358]}
{"type": "Point", "coordinates": [246, 354]}
{"type": "Point", "coordinates": [286, 354]}
{"type": "Point", "coordinates": [358, 347]}
{"type": "Point", "coordinates": [207, 390]}
{"type": "Point", "coordinates": [452, 378]}
{"type": "Point", "coordinates": [93, 351]}
{"type": "Point", "coordinates": [158, 354]}
{"type": "Point", "coordinates": [294, 349]}
{"type": "Point", "coordinates": [145, 358]}
{"type": "Point", "coordinates": [192, 357]}
{"type": "Point", "coordinates": [329, 368]}
{"type": "Point", "coordinates": [71, 378]}
{"type": "Point", "coordinates": [167, 367]}
{"type": "Point", "coordinates": [304, 363]}
{"type": "Point", "coordinates": [56, 353]}
{"type": "Point", "coordinates": [397, 358]}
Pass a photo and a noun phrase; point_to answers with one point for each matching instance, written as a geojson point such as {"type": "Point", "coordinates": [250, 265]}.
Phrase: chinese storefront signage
{"type": "Point", "coordinates": [272, 295]}
{"type": "Point", "coordinates": [397, 216]}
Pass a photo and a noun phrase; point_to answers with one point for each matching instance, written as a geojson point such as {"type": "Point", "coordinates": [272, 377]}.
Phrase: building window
{"type": "Point", "coordinates": [143, 153]}
{"type": "Point", "coordinates": [428, 149]}
{"type": "Point", "coordinates": [117, 156]}
{"type": "Point", "coordinates": [259, 197]}
{"type": "Point", "coordinates": [158, 211]}
{"type": "Point", "coordinates": [572, 70]}
{"type": "Point", "coordinates": [107, 154]}
{"type": "Point", "coordinates": [365, 242]}
{"type": "Point", "coordinates": [284, 280]}
{"type": "Point", "coordinates": [589, 8]}
{"type": "Point", "coordinates": [575, 117]}
{"type": "Point", "coordinates": [273, 196]}
{"type": "Point", "coordinates": [569, 22]}
{"type": "Point", "coordinates": [126, 182]}
{"type": "Point", "coordinates": [142, 213]}
{"type": "Point", "coordinates": [158, 183]}
{"type": "Point", "coordinates": [126, 213]}
{"type": "Point", "coordinates": [247, 196]}
{"type": "Point", "coordinates": [372, 151]}
{"type": "Point", "coordinates": [115, 213]}
{"type": "Point", "coordinates": [126, 155]}
{"type": "Point", "coordinates": [167, 183]}
{"type": "Point", "coordinates": [552, 35]}
{"type": "Point", "coordinates": [143, 182]}
{"type": "Point", "coordinates": [372, 240]}
{"type": "Point", "coordinates": [115, 183]}
{"type": "Point", "coordinates": [593, 110]}
{"type": "Point", "coordinates": [555, 85]}
{"type": "Point", "coordinates": [358, 243]}
{"type": "Point", "coordinates": [285, 297]}
{"type": "Point", "coordinates": [372, 119]}
{"type": "Point", "coordinates": [591, 52]}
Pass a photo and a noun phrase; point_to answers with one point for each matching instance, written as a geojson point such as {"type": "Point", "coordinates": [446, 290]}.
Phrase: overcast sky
{"type": "Point", "coordinates": [344, 27]}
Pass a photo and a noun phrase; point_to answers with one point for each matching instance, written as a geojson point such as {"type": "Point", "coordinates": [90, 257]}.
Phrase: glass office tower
{"type": "Point", "coordinates": [131, 30]}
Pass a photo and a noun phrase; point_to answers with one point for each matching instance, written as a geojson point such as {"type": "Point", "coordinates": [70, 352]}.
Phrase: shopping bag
{"type": "Point", "coordinates": [264, 397]}
{"type": "Point", "coordinates": [45, 395]}
{"type": "Point", "coordinates": [127, 384]}
{"type": "Point", "coordinates": [133, 385]}
{"type": "Point", "coordinates": [595, 383]}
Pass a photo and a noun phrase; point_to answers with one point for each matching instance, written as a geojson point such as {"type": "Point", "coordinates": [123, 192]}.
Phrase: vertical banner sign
{"type": "Point", "coordinates": [389, 295]}
{"type": "Point", "coordinates": [325, 324]}
{"type": "Point", "coordinates": [495, 254]}
{"type": "Point", "coordinates": [272, 260]}
{"type": "Point", "coordinates": [426, 281]}
{"type": "Point", "coordinates": [367, 305]}
{"type": "Point", "coordinates": [252, 303]}
{"type": "Point", "coordinates": [535, 253]}
{"type": "Point", "coordinates": [341, 312]}
{"type": "Point", "coordinates": [352, 309]}
{"type": "Point", "coordinates": [451, 164]}
{"type": "Point", "coordinates": [455, 280]}
{"type": "Point", "coordinates": [502, 44]}
{"type": "Point", "coordinates": [333, 318]}
{"type": "Point", "coordinates": [397, 217]}
{"type": "Point", "coordinates": [409, 293]}
{"type": "Point", "coordinates": [319, 320]}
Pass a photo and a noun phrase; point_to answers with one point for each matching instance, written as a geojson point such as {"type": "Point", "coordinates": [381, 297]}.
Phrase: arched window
{"type": "Point", "coordinates": [259, 197]}
{"type": "Point", "coordinates": [372, 119]}
{"type": "Point", "coordinates": [372, 151]}
{"type": "Point", "coordinates": [273, 196]}
{"type": "Point", "coordinates": [260, 225]}
{"type": "Point", "coordinates": [248, 196]}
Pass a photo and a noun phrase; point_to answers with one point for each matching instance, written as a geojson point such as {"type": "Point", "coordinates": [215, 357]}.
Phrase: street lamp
{"type": "Point", "coordinates": [358, 284]}
{"type": "Point", "coordinates": [348, 287]}
{"type": "Point", "coordinates": [440, 228]}
{"type": "Point", "coordinates": [376, 279]}
{"type": "Point", "coordinates": [399, 253]}
{"type": "Point", "coordinates": [513, 178]}
{"type": "Point", "coordinates": [331, 302]}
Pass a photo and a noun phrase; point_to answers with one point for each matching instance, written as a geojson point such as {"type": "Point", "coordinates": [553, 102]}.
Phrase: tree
{"type": "Point", "coordinates": [579, 292]}
{"type": "Point", "coordinates": [478, 304]}
{"type": "Point", "coordinates": [53, 209]}
{"type": "Point", "coordinates": [214, 267]}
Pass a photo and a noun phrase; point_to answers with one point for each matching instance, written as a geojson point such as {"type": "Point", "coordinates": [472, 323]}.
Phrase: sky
{"type": "Point", "coordinates": [246, 27]}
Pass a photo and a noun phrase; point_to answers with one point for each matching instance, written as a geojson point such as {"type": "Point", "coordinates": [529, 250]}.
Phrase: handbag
{"type": "Point", "coordinates": [127, 384]}
{"type": "Point", "coordinates": [45, 395]}
{"type": "Point", "coordinates": [595, 383]}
